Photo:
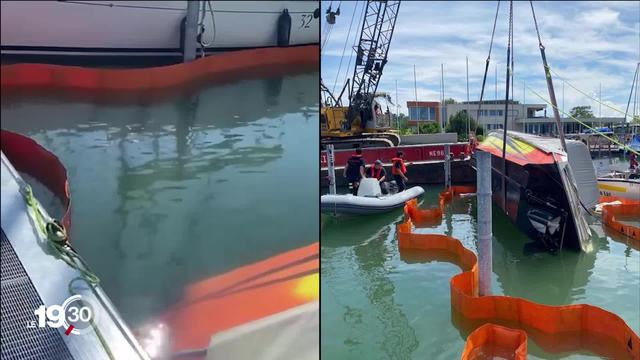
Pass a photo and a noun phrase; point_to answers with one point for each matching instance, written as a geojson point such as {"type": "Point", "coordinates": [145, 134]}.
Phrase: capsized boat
{"type": "Point", "coordinates": [548, 191]}
{"type": "Point", "coordinates": [369, 200]}
{"type": "Point", "coordinates": [620, 185]}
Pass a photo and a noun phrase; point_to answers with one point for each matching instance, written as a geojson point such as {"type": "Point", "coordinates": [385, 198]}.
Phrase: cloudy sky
{"type": "Point", "coordinates": [587, 43]}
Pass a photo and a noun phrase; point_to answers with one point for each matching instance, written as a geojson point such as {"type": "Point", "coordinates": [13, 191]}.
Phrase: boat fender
{"type": "Point", "coordinates": [183, 25]}
{"type": "Point", "coordinates": [284, 28]}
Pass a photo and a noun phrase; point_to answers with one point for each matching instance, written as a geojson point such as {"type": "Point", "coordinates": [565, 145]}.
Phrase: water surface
{"type": "Point", "coordinates": [167, 194]}
{"type": "Point", "coordinates": [380, 304]}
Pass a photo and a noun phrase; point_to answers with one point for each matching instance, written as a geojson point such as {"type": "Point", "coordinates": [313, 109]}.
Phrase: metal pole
{"type": "Point", "coordinates": [600, 102]}
{"type": "Point", "coordinates": [443, 104]}
{"type": "Point", "coordinates": [191, 23]}
{"type": "Point", "coordinates": [485, 234]}
{"type": "Point", "coordinates": [563, 97]}
{"type": "Point", "coordinates": [468, 112]}
{"type": "Point", "coordinates": [447, 167]}
{"type": "Point", "coordinates": [397, 108]}
{"type": "Point", "coordinates": [331, 170]}
{"type": "Point", "coordinates": [496, 78]}
{"type": "Point", "coordinates": [415, 89]}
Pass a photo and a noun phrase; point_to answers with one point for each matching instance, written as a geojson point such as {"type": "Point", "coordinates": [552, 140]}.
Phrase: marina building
{"type": "Point", "coordinates": [528, 118]}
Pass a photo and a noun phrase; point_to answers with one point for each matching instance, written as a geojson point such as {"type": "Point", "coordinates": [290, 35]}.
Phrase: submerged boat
{"type": "Point", "coordinates": [620, 185]}
{"type": "Point", "coordinates": [148, 29]}
{"type": "Point", "coordinates": [369, 200]}
{"type": "Point", "coordinates": [548, 191]}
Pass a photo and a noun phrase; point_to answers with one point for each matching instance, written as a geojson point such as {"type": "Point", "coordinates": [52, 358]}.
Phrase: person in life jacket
{"type": "Point", "coordinates": [398, 170]}
{"type": "Point", "coordinates": [354, 170]}
{"type": "Point", "coordinates": [377, 171]}
{"type": "Point", "coordinates": [633, 163]}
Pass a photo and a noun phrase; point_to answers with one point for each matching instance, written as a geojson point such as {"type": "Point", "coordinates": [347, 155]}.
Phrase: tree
{"type": "Point", "coordinates": [458, 123]}
{"type": "Point", "coordinates": [449, 101]}
{"type": "Point", "coordinates": [581, 112]}
{"type": "Point", "coordinates": [636, 120]}
{"type": "Point", "coordinates": [431, 127]}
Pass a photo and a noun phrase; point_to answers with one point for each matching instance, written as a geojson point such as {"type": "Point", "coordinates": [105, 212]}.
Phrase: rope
{"type": "Point", "coordinates": [56, 236]}
{"type": "Point", "coordinates": [344, 48]}
{"type": "Point", "coordinates": [585, 94]}
{"type": "Point", "coordinates": [613, 140]}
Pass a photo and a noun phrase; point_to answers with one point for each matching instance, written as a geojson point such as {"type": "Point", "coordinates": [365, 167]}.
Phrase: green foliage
{"type": "Point", "coordinates": [449, 101]}
{"type": "Point", "coordinates": [431, 127]}
{"type": "Point", "coordinates": [636, 120]}
{"type": "Point", "coordinates": [458, 123]}
{"type": "Point", "coordinates": [581, 112]}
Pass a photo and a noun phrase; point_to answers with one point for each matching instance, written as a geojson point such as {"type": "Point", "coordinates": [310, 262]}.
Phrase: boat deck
{"type": "Point", "coordinates": [31, 277]}
{"type": "Point", "coordinates": [19, 299]}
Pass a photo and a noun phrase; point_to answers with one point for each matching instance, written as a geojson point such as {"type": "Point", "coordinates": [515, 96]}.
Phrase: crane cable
{"type": "Point", "coordinates": [355, 39]}
{"type": "Point", "coordinates": [344, 48]}
{"type": "Point", "coordinates": [486, 68]}
{"type": "Point", "coordinates": [547, 74]}
{"type": "Point", "coordinates": [330, 28]}
{"type": "Point", "coordinates": [506, 109]}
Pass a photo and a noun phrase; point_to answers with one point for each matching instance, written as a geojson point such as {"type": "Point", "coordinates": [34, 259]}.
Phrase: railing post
{"type": "Point", "coordinates": [485, 233]}
{"type": "Point", "coordinates": [447, 167]}
{"type": "Point", "coordinates": [331, 171]}
{"type": "Point", "coordinates": [190, 31]}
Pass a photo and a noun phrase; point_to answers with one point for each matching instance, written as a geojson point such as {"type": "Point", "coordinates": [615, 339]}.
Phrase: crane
{"type": "Point", "coordinates": [362, 122]}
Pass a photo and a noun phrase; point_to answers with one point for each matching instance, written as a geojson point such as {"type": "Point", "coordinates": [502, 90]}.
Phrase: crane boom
{"type": "Point", "coordinates": [371, 52]}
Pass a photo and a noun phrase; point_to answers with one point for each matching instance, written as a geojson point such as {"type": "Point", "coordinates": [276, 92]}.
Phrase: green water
{"type": "Point", "coordinates": [377, 304]}
{"type": "Point", "coordinates": [170, 193]}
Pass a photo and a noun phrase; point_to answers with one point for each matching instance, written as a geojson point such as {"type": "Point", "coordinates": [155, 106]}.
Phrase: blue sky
{"type": "Point", "coordinates": [588, 43]}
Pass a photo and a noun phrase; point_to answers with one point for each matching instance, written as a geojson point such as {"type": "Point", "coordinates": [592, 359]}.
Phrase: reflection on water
{"type": "Point", "coordinates": [171, 193]}
{"type": "Point", "coordinates": [363, 273]}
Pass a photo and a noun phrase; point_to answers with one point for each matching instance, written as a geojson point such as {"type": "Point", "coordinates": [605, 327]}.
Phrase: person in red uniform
{"type": "Point", "coordinates": [398, 170]}
{"type": "Point", "coordinates": [633, 163]}
{"type": "Point", "coordinates": [354, 170]}
{"type": "Point", "coordinates": [377, 171]}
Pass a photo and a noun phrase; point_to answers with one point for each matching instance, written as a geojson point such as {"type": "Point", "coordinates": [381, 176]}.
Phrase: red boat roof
{"type": "Point", "coordinates": [518, 150]}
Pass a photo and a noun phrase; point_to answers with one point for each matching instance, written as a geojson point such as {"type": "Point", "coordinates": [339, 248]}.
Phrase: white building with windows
{"type": "Point", "coordinates": [528, 118]}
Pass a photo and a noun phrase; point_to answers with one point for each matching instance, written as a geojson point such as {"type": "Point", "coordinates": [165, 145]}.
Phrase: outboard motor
{"type": "Point", "coordinates": [548, 220]}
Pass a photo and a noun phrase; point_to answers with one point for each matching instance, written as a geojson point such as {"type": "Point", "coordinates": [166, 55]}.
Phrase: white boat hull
{"type": "Point", "coordinates": [619, 188]}
{"type": "Point", "coordinates": [350, 204]}
{"type": "Point", "coordinates": [149, 28]}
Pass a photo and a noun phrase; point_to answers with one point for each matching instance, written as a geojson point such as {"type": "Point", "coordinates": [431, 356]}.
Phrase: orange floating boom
{"type": "Point", "coordinates": [141, 82]}
{"type": "Point", "coordinates": [586, 320]}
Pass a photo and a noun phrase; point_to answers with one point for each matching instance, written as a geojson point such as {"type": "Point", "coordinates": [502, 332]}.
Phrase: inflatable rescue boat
{"type": "Point", "coordinates": [369, 200]}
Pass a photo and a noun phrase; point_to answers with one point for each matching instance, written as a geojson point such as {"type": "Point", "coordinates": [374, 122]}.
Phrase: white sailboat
{"type": "Point", "coordinates": [147, 28]}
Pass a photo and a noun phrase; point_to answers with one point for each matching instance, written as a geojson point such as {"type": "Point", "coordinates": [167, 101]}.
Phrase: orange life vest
{"type": "Point", "coordinates": [395, 170]}
{"type": "Point", "coordinates": [377, 174]}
